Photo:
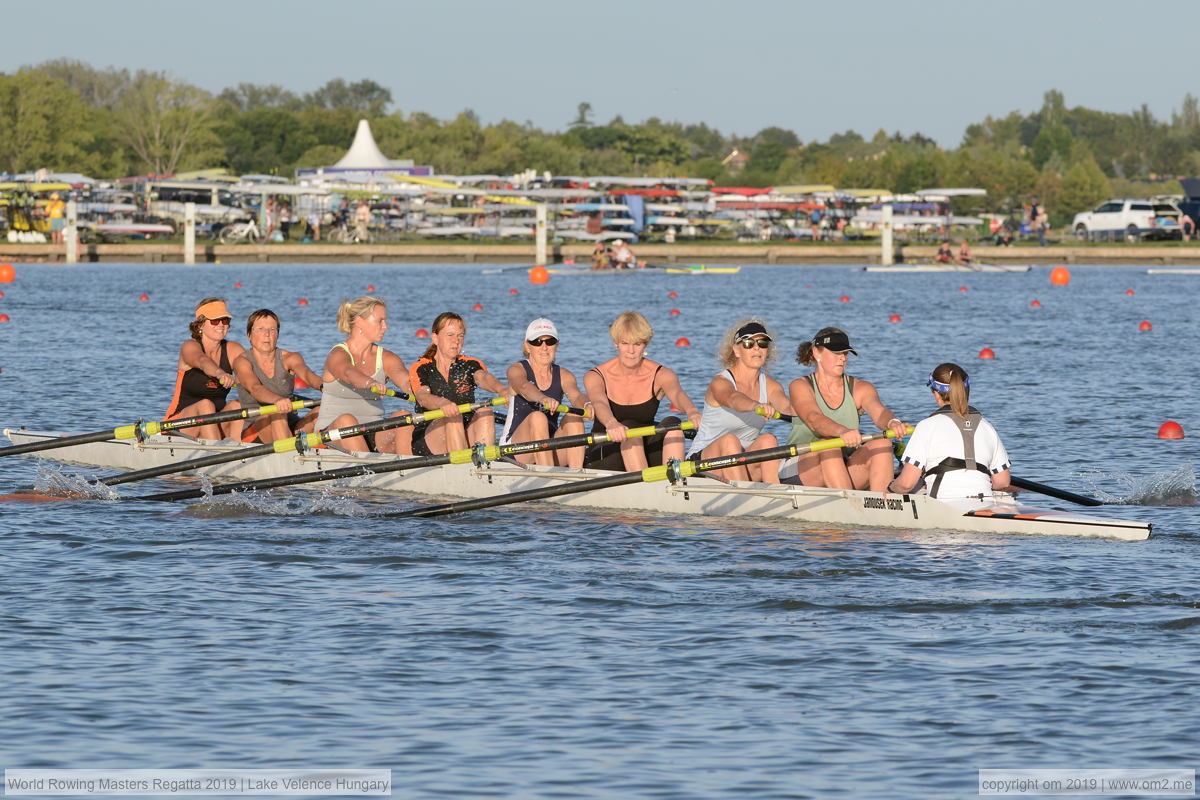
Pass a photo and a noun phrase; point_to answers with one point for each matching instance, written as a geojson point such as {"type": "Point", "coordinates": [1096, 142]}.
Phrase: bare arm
{"type": "Point", "coordinates": [594, 385]}
{"type": "Point", "coordinates": [867, 398]}
{"type": "Point", "coordinates": [489, 382]}
{"type": "Point", "coordinates": [572, 393]}
{"type": "Point", "coordinates": [339, 367]}
{"type": "Point", "coordinates": [668, 382]}
{"type": "Point", "coordinates": [804, 402]}
{"type": "Point", "coordinates": [907, 481]}
{"type": "Point", "coordinates": [397, 373]}
{"type": "Point", "coordinates": [296, 365]}
{"type": "Point", "coordinates": [250, 382]}
{"type": "Point", "coordinates": [1002, 480]}
{"type": "Point", "coordinates": [192, 355]}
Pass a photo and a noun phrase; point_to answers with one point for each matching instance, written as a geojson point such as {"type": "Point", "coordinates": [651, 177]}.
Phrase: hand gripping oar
{"type": "Point", "coordinates": [1050, 491]}
{"type": "Point", "coordinates": [673, 472]}
{"type": "Point", "coordinates": [478, 455]}
{"type": "Point", "coordinates": [141, 429]}
{"type": "Point", "coordinates": [301, 441]}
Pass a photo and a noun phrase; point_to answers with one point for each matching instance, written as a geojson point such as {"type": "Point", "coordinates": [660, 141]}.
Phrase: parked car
{"type": "Point", "coordinates": [1133, 218]}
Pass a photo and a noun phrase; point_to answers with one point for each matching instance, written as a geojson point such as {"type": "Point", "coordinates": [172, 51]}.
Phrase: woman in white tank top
{"type": "Point", "coordinates": [731, 422]}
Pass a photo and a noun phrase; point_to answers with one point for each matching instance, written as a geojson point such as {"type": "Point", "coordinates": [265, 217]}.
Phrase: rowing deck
{"type": "Point", "coordinates": [998, 514]}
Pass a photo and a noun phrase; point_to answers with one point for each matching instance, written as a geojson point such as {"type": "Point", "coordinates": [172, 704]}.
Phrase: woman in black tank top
{"type": "Point", "coordinates": [205, 371]}
{"type": "Point", "coordinates": [625, 392]}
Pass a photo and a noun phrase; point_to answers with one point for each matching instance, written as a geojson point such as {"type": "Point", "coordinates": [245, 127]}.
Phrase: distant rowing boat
{"type": "Point", "coordinates": [947, 268]}
{"type": "Point", "coordinates": [997, 514]}
{"type": "Point", "coordinates": [698, 269]}
{"type": "Point", "coordinates": [1173, 272]}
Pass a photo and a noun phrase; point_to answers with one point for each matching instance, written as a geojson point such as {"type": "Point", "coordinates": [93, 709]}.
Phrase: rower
{"type": "Point", "coordinates": [267, 375]}
{"type": "Point", "coordinates": [955, 449]}
{"type": "Point", "coordinates": [205, 371]}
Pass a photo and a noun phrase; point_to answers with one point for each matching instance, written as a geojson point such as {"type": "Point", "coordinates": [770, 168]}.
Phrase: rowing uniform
{"type": "Point", "coordinates": [607, 455]}
{"type": "Point", "coordinates": [847, 414]}
{"type": "Point", "coordinates": [716, 421]}
{"type": "Point", "coordinates": [519, 408]}
{"type": "Point", "coordinates": [193, 385]}
{"type": "Point", "coordinates": [339, 398]}
{"type": "Point", "coordinates": [957, 456]}
{"type": "Point", "coordinates": [458, 388]}
{"type": "Point", "coordinates": [282, 383]}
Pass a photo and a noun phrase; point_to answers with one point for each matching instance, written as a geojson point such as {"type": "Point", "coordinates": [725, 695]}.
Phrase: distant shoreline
{"type": "Point", "coordinates": [1178, 254]}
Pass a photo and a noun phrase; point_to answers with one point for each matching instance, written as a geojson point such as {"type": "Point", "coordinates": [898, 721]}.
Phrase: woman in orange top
{"type": "Point", "coordinates": [205, 372]}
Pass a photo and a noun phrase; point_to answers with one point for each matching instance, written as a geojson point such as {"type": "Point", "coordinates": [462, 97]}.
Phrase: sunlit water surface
{"type": "Point", "coordinates": [537, 652]}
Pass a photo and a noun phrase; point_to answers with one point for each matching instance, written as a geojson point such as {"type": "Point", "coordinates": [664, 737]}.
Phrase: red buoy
{"type": "Point", "coordinates": [570, 262]}
{"type": "Point", "coordinates": [1060, 276]}
{"type": "Point", "coordinates": [894, 318]}
{"type": "Point", "coordinates": [303, 301]}
{"type": "Point", "coordinates": [1170, 430]}
{"type": "Point", "coordinates": [539, 275]}
{"type": "Point", "coordinates": [1129, 292]}
{"type": "Point", "coordinates": [477, 307]}
{"type": "Point", "coordinates": [301, 383]}
{"type": "Point", "coordinates": [1145, 326]}
{"type": "Point", "coordinates": [513, 291]}
{"type": "Point", "coordinates": [145, 298]}
{"type": "Point", "coordinates": [963, 289]}
{"type": "Point", "coordinates": [808, 286]}
{"type": "Point", "coordinates": [1, 294]}
{"type": "Point", "coordinates": [672, 294]}
{"type": "Point", "coordinates": [682, 341]}
{"type": "Point", "coordinates": [845, 298]}
{"type": "Point", "coordinates": [237, 285]}
{"type": "Point", "coordinates": [674, 312]}
{"type": "Point", "coordinates": [422, 333]}
{"type": "Point", "coordinates": [3, 317]}
{"type": "Point", "coordinates": [1035, 303]}
{"type": "Point", "coordinates": [371, 288]}
{"type": "Point", "coordinates": [987, 352]}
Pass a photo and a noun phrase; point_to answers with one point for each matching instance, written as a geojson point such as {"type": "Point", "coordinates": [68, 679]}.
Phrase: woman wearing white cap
{"type": "Point", "coordinates": [731, 422]}
{"type": "Point", "coordinates": [955, 450]}
{"type": "Point", "coordinates": [828, 403]}
{"type": "Point", "coordinates": [205, 371]}
{"type": "Point", "coordinates": [538, 385]}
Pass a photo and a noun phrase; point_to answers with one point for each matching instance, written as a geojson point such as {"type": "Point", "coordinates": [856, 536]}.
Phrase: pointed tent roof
{"type": "Point", "coordinates": [363, 152]}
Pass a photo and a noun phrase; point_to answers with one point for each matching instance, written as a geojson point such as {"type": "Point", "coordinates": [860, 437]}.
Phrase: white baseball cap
{"type": "Point", "coordinates": [540, 327]}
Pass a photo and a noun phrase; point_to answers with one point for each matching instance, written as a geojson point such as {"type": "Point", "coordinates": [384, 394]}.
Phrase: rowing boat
{"type": "Point", "coordinates": [704, 496]}
{"type": "Point", "coordinates": [701, 269]}
{"type": "Point", "coordinates": [947, 268]}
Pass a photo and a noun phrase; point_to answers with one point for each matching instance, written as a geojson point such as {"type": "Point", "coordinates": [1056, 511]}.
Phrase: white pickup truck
{"type": "Point", "coordinates": [1132, 218]}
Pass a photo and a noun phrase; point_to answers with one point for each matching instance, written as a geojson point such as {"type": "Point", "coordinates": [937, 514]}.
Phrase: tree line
{"type": "Point", "coordinates": [68, 116]}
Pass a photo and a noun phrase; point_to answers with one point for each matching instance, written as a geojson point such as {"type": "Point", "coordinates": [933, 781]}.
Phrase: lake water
{"type": "Point", "coordinates": [543, 653]}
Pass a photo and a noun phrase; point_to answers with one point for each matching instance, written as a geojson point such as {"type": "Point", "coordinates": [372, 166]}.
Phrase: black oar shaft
{"type": "Point", "coordinates": [618, 479]}
{"type": "Point", "coordinates": [1050, 491]}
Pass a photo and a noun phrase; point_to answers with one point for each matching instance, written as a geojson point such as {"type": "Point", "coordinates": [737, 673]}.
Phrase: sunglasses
{"type": "Point", "coordinates": [548, 341]}
{"type": "Point", "coordinates": [749, 344]}
{"type": "Point", "coordinates": [218, 321]}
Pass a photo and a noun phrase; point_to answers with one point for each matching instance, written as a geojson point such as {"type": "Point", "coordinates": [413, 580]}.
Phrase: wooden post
{"type": "Point", "coordinates": [540, 235]}
{"type": "Point", "coordinates": [71, 233]}
{"type": "Point", "coordinates": [885, 241]}
{"type": "Point", "coordinates": [189, 233]}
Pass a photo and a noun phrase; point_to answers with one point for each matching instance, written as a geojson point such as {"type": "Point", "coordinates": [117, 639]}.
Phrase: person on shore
{"type": "Point", "coordinates": [1187, 226]}
{"type": "Point", "coordinates": [56, 211]}
{"type": "Point", "coordinates": [622, 255]}
{"type": "Point", "coordinates": [944, 254]}
{"type": "Point", "coordinates": [955, 450]}
{"type": "Point", "coordinates": [205, 372]}
{"type": "Point", "coordinates": [266, 375]}
{"type": "Point", "coordinates": [964, 254]}
{"type": "Point", "coordinates": [814, 224]}
{"type": "Point", "coordinates": [443, 378]}
{"type": "Point", "coordinates": [538, 385]}
{"type": "Point", "coordinates": [625, 392]}
{"type": "Point", "coordinates": [362, 218]}
{"type": "Point", "coordinates": [739, 401]}
{"type": "Point", "coordinates": [601, 256]}
{"type": "Point", "coordinates": [354, 379]}
{"type": "Point", "coordinates": [829, 403]}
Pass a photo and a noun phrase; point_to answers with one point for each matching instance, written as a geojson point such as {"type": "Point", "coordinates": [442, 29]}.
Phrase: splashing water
{"type": "Point", "coordinates": [54, 480]}
{"type": "Point", "coordinates": [327, 501]}
{"type": "Point", "coordinates": [1176, 488]}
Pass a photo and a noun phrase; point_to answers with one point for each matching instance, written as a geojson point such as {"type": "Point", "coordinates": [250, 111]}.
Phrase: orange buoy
{"type": "Point", "coordinates": [1145, 326]}
{"type": "Point", "coordinates": [894, 318]}
{"type": "Point", "coordinates": [673, 408]}
{"type": "Point", "coordinates": [422, 333]}
{"type": "Point", "coordinates": [1060, 276]}
{"type": "Point", "coordinates": [672, 294]}
{"type": "Point", "coordinates": [987, 352]}
{"type": "Point", "coordinates": [302, 301]}
{"type": "Point", "coordinates": [1035, 303]}
{"type": "Point", "coordinates": [1129, 292]}
{"type": "Point", "coordinates": [3, 317]}
{"type": "Point", "coordinates": [145, 298]}
{"type": "Point", "coordinates": [963, 289]}
{"type": "Point", "coordinates": [1, 294]}
{"type": "Point", "coordinates": [477, 307]}
{"type": "Point", "coordinates": [237, 285]}
{"type": "Point", "coordinates": [513, 291]}
{"type": "Point", "coordinates": [301, 383]}
{"type": "Point", "coordinates": [539, 275]}
{"type": "Point", "coordinates": [7, 273]}
{"type": "Point", "coordinates": [1170, 430]}
{"type": "Point", "coordinates": [845, 298]}
{"type": "Point", "coordinates": [371, 288]}
{"type": "Point", "coordinates": [683, 341]}
{"type": "Point", "coordinates": [674, 312]}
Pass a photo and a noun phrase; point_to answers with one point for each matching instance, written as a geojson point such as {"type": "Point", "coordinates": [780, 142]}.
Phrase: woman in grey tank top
{"type": "Point", "coordinates": [267, 375]}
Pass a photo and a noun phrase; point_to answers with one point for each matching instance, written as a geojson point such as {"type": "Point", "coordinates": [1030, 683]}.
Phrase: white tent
{"type": "Point", "coordinates": [365, 154]}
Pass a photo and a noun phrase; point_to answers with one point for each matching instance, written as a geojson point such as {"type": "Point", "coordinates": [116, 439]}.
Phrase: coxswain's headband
{"type": "Point", "coordinates": [944, 388]}
{"type": "Point", "coordinates": [214, 309]}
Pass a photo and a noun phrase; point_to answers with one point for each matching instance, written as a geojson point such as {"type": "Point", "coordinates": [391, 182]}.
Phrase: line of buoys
{"type": "Point", "coordinates": [477, 307]}
{"type": "Point", "coordinates": [1145, 326]}
{"type": "Point", "coordinates": [987, 352]}
{"type": "Point", "coordinates": [1170, 430]}
{"type": "Point", "coordinates": [674, 312]}
{"type": "Point", "coordinates": [145, 298]}
{"type": "Point", "coordinates": [1060, 276]}
{"type": "Point", "coordinates": [1035, 303]}
{"type": "Point", "coordinates": [303, 301]}
{"type": "Point", "coordinates": [422, 333]}
{"type": "Point", "coordinates": [683, 341]}
{"type": "Point", "coordinates": [7, 273]}
{"type": "Point", "coordinates": [894, 318]}
{"type": "Point", "coordinates": [539, 275]}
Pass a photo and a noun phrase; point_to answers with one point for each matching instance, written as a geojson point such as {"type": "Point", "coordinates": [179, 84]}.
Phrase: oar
{"type": "Point", "coordinates": [1050, 491]}
{"type": "Point", "coordinates": [144, 429]}
{"type": "Point", "coordinates": [291, 444]}
{"type": "Point", "coordinates": [509, 269]}
{"type": "Point", "coordinates": [471, 455]}
{"type": "Point", "coordinates": [673, 471]}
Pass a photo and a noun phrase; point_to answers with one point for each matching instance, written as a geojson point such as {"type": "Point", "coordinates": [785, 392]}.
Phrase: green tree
{"type": "Point", "coordinates": [167, 125]}
{"type": "Point", "coordinates": [365, 96]}
{"type": "Point", "coordinates": [43, 123]}
{"type": "Point", "coordinates": [1083, 187]}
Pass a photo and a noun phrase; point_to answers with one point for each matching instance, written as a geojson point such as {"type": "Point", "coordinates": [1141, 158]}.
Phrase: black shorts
{"type": "Point", "coordinates": [607, 456]}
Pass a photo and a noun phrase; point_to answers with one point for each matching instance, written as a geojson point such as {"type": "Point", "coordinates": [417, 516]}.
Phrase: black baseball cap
{"type": "Point", "coordinates": [837, 341]}
{"type": "Point", "coordinates": [750, 330]}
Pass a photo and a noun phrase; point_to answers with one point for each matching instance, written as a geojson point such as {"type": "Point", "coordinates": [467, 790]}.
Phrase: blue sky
{"type": "Point", "coordinates": [928, 66]}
